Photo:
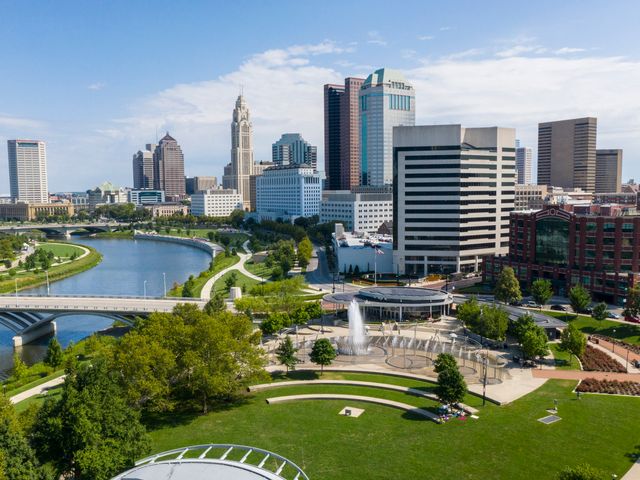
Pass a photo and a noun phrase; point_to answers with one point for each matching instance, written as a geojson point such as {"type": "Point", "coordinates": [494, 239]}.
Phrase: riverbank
{"type": "Point", "coordinates": [31, 279]}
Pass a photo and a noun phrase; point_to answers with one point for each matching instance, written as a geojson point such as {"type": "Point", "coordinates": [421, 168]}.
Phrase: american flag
{"type": "Point", "coordinates": [378, 250]}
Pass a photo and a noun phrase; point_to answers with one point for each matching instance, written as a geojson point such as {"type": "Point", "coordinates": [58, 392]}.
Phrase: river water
{"type": "Point", "coordinates": [125, 266]}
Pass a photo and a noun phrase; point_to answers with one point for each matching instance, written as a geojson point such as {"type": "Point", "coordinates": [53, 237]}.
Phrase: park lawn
{"type": "Point", "coordinates": [38, 400]}
{"type": "Point", "coordinates": [25, 384]}
{"type": "Point", "coordinates": [61, 249]}
{"type": "Point", "coordinates": [220, 263]}
{"type": "Point", "coordinates": [627, 332]}
{"type": "Point", "coordinates": [562, 359]}
{"type": "Point", "coordinates": [31, 279]}
{"type": "Point", "coordinates": [242, 281]}
{"type": "Point", "coordinates": [505, 442]}
{"type": "Point", "coordinates": [259, 269]}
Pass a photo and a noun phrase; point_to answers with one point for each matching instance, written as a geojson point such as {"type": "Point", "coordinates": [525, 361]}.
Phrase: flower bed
{"type": "Point", "coordinates": [594, 360]}
{"type": "Point", "coordinates": [591, 385]}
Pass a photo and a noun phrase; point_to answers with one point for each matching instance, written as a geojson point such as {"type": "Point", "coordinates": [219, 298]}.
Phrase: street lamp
{"type": "Point", "coordinates": [15, 280]}
{"type": "Point", "coordinates": [144, 286]}
{"type": "Point", "coordinates": [164, 282]}
{"type": "Point", "coordinates": [46, 273]}
{"type": "Point", "coordinates": [613, 341]}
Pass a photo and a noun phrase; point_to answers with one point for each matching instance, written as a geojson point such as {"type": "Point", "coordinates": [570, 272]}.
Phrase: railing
{"type": "Point", "coordinates": [80, 295]}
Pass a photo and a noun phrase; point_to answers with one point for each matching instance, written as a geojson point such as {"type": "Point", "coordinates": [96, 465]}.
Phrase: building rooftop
{"type": "Point", "coordinates": [385, 76]}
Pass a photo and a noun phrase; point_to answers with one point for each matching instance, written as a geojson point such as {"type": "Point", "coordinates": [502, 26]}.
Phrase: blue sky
{"type": "Point", "coordinates": [95, 79]}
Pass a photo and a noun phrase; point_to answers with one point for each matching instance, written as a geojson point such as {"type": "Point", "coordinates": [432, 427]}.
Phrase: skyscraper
{"type": "Point", "coordinates": [523, 164]}
{"type": "Point", "coordinates": [168, 168]}
{"type": "Point", "coordinates": [238, 172]}
{"type": "Point", "coordinates": [453, 193]}
{"type": "Point", "coordinates": [386, 101]}
{"type": "Point", "coordinates": [293, 149]}
{"type": "Point", "coordinates": [342, 134]}
{"type": "Point", "coordinates": [143, 167]}
{"type": "Point", "coordinates": [567, 153]}
{"type": "Point", "coordinates": [608, 170]}
{"type": "Point", "coordinates": [28, 171]}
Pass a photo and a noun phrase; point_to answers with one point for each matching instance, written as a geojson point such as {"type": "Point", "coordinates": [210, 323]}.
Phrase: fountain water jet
{"type": "Point", "coordinates": [357, 342]}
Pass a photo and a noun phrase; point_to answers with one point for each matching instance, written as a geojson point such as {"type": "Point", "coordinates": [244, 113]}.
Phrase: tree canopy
{"type": "Point", "coordinates": [541, 291]}
{"type": "Point", "coordinates": [322, 353]}
{"type": "Point", "coordinates": [579, 298]}
{"type": "Point", "coordinates": [573, 340]}
{"type": "Point", "coordinates": [632, 305]}
{"type": "Point", "coordinates": [451, 386]}
{"type": "Point", "coordinates": [507, 288]}
{"type": "Point", "coordinates": [286, 354]}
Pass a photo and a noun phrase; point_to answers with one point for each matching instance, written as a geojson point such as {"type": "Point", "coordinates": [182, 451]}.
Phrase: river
{"type": "Point", "coordinates": [125, 266]}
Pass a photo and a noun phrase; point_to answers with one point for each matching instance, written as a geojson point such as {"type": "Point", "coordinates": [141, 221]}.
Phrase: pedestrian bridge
{"type": "Point", "coordinates": [62, 229]}
{"type": "Point", "coordinates": [31, 316]}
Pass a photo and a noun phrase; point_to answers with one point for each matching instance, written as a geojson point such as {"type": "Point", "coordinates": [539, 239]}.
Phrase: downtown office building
{"type": "Point", "coordinates": [28, 171]}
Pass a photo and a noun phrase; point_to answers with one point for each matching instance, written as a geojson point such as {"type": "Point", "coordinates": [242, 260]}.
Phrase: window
{"type": "Point", "coordinates": [552, 241]}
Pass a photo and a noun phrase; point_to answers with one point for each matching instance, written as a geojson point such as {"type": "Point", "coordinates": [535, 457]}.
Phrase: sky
{"type": "Point", "coordinates": [97, 80]}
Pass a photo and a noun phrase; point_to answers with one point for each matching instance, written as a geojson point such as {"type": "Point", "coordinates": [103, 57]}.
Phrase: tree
{"type": "Point", "coordinates": [215, 304]}
{"type": "Point", "coordinates": [305, 249]}
{"type": "Point", "coordinates": [534, 342]}
{"type": "Point", "coordinates": [522, 325]}
{"type": "Point", "coordinates": [581, 472]}
{"type": "Point", "coordinates": [275, 322]}
{"type": "Point", "coordinates": [579, 298]}
{"type": "Point", "coordinates": [286, 354]}
{"type": "Point", "coordinates": [19, 367]}
{"type": "Point", "coordinates": [322, 353]}
{"type": "Point", "coordinates": [494, 322]}
{"type": "Point", "coordinates": [231, 280]}
{"type": "Point", "coordinates": [541, 291]}
{"type": "Point", "coordinates": [89, 432]}
{"type": "Point", "coordinates": [600, 311]}
{"type": "Point", "coordinates": [300, 316]}
{"type": "Point", "coordinates": [451, 385]}
{"type": "Point", "coordinates": [314, 309]}
{"type": "Point", "coordinates": [632, 305]}
{"type": "Point", "coordinates": [507, 287]}
{"type": "Point", "coordinates": [573, 341]}
{"type": "Point", "coordinates": [469, 313]}
{"type": "Point", "coordinates": [188, 289]}
{"type": "Point", "coordinates": [54, 356]}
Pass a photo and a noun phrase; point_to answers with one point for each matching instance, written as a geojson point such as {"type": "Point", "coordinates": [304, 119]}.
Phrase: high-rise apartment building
{"type": "Point", "coordinates": [28, 171]}
{"type": "Point", "coordinates": [293, 149]}
{"type": "Point", "coordinates": [143, 176]}
{"type": "Point", "coordinates": [342, 134]}
{"type": "Point", "coordinates": [453, 192]}
{"type": "Point", "coordinates": [523, 165]}
{"type": "Point", "coordinates": [567, 153]}
{"type": "Point", "coordinates": [238, 172]}
{"type": "Point", "coordinates": [386, 101]}
{"type": "Point", "coordinates": [608, 170]}
{"type": "Point", "coordinates": [168, 168]}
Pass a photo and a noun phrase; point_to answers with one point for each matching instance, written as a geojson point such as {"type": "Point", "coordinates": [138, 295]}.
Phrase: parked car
{"type": "Point", "coordinates": [558, 307]}
{"type": "Point", "coordinates": [586, 311]}
{"type": "Point", "coordinates": [516, 303]}
{"type": "Point", "coordinates": [532, 304]}
{"type": "Point", "coordinates": [613, 315]}
{"type": "Point", "coordinates": [629, 318]}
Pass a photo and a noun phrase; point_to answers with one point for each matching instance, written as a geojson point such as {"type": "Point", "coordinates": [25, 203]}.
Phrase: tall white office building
{"type": "Point", "coordinates": [288, 192]}
{"type": "Point", "coordinates": [386, 101]}
{"type": "Point", "coordinates": [452, 196]}
{"type": "Point", "coordinates": [524, 157]}
{"type": "Point", "coordinates": [238, 172]}
{"type": "Point", "coordinates": [28, 171]}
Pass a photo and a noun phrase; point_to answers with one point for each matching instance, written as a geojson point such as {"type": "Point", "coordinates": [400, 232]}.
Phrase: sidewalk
{"type": "Point", "coordinates": [40, 389]}
{"type": "Point", "coordinates": [581, 375]}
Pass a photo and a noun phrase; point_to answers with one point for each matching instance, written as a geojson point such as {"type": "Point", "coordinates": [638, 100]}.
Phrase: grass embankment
{"type": "Point", "coordinates": [220, 262]}
{"type": "Point", "coordinates": [31, 279]}
{"type": "Point", "coordinates": [241, 281]}
{"type": "Point", "coordinates": [236, 238]}
{"type": "Point", "coordinates": [562, 359]}
{"type": "Point", "coordinates": [259, 268]}
{"type": "Point", "coordinates": [627, 332]}
{"type": "Point", "coordinates": [115, 234]}
{"type": "Point", "coordinates": [385, 442]}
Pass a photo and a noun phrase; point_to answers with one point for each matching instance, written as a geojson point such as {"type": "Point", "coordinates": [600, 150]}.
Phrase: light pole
{"type": "Point", "coordinates": [46, 273]}
{"type": "Point", "coordinates": [144, 287]}
{"type": "Point", "coordinates": [15, 280]}
{"type": "Point", "coordinates": [613, 341]}
{"type": "Point", "coordinates": [164, 283]}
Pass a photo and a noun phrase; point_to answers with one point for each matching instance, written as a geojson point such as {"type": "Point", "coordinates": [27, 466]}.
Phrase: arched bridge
{"type": "Point", "coordinates": [65, 229]}
{"type": "Point", "coordinates": [31, 317]}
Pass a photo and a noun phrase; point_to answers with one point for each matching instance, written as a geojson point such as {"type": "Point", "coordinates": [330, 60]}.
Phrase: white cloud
{"type": "Point", "coordinates": [97, 86]}
{"type": "Point", "coordinates": [518, 50]}
{"type": "Point", "coordinates": [408, 53]}
{"type": "Point", "coordinates": [376, 39]}
{"type": "Point", "coordinates": [8, 123]}
{"type": "Point", "coordinates": [566, 50]}
{"type": "Point", "coordinates": [444, 29]}
{"type": "Point", "coordinates": [472, 52]}
{"type": "Point", "coordinates": [425, 37]}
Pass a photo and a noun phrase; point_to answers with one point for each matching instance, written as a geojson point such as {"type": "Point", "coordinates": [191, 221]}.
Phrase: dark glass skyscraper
{"type": "Point", "coordinates": [168, 167]}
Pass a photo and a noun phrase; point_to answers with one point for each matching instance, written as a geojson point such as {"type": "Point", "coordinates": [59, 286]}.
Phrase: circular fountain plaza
{"type": "Point", "coordinates": [398, 329]}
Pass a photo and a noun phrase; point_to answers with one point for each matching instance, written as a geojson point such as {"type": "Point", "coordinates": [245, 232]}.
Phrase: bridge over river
{"type": "Point", "coordinates": [31, 316]}
{"type": "Point", "coordinates": [62, 229]}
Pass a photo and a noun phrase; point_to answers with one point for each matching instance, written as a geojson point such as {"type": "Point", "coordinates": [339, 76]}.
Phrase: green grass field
{"type": "Point", "coordinates": [562, 359]}
{"type": "Point", "coordinates": [259, 269]}
{"type": "Point", "coordinates": [242, 281]}
{"type": "Point", "coordinates": [221, 262]}
{"type": "Point", "coordinates": [506, 442]}
{"type": "Point", "coordinates": [60, 249]}
{"type": "Point", "coordinates": [588, 325]}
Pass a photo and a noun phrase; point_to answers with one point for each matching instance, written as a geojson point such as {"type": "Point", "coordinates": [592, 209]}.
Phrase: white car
{"type": "Point", "coordinates": [613, 315]}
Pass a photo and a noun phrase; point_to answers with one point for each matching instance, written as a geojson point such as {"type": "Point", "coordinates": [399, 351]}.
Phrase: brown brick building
{"type": "Point", "coordinates": [600, 250]}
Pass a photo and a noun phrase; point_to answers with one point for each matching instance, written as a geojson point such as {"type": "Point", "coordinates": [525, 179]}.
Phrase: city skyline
{"type": "Point", "coordinates": [98, 116]}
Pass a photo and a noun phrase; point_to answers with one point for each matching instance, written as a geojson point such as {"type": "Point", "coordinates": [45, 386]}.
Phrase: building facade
{"type": "Point", "coordinates": [530, 197]}
{"type": "Point", "coordinates": [362, 253]}
{"type": "Point", "coordinates": [26, 212]}
{"type": "Point", "coordinates": [608, 170]}
{"type": "Point", "coordinates": [453, 192]}
{"type": "Point", "coordinates": [386, 101]}
{"type": "Point", "coordinates": [145, 196]}
{"type": "Point", "coordinates": [143, 176]}
{"type": "Point", "coordinates": [342, 134]}
{"type": "Point", "coordinates": [524, 157]}
{"type": "Point", "coordinates": [28, 171]}
{"type": "Point", "coordinates": [216, 202]}
{"type": "Point", "coordinates": [288, 192]}
{"type": "Point", "coordinates": [358, 212]}
{"type": "Point", "coordinates": [168, 168]}
{"type": "Point", "coordinates": [198, 184]}
{"type": "Point", "coordinates": [166, 209]}
{"type": "Point", "coordinates": [600, 252]}
{"type": "Point", "coordinates": [293, 149]}
{"type": "Point", "coordinates": [107, 193]}
{"type": "Point", "coordinates": [238, 172]}
{"type": "Point", "coordinates": [567, 153]}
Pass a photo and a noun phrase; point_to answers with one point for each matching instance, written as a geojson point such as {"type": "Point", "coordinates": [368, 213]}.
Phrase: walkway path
{"type": "Point", "coordinates": [38, 390]}
{"type": "Point", "coordinates": [618, 358]}
{"type": "Point", "coordinates": [581, 375]}
{"type": "Point", "coordinates": [205, 293]}
{"type": "Point", "coordinates": [356, 398]}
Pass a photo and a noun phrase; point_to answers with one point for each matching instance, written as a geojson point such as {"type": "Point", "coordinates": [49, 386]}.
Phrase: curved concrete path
{"type": "Point", "coordinates": [356, 398]}
{"type": "Point", "coordinates": [354, 383]}
{"type": "Point", "coordinates": [205, 293]}
{"type": "Point", "coordinates": [38, 390]}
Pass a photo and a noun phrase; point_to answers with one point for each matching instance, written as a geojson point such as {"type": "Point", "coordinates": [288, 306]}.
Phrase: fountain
{"type": "Point", "coordinates": [357, 343]}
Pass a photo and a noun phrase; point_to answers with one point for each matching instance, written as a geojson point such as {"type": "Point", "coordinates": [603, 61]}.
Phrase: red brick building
{"type": "Point", "coordinates": [598, 249]}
